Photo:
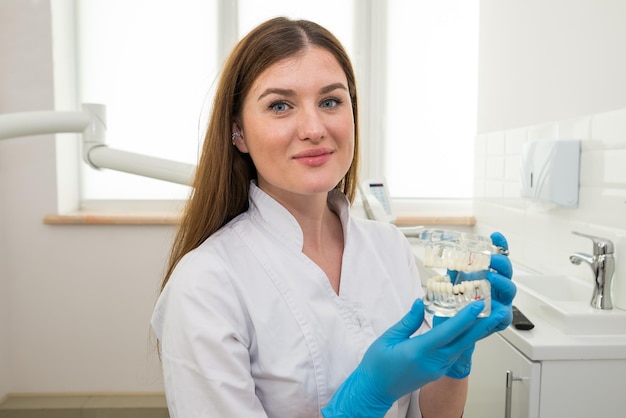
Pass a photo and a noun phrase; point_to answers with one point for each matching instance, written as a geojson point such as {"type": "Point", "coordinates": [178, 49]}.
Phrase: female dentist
{"type": "Point", "coordinates": [278, 303]}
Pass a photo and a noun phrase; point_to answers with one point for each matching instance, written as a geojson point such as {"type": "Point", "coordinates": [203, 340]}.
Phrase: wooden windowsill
{"type": "Point", "coordinates": [113, 218]}
{"type": "Point", "coordinates": [169, 218]}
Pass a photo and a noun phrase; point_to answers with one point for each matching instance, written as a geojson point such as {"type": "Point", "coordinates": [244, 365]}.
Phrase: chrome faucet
{"type": "Point", "coordinates": [602, 264]}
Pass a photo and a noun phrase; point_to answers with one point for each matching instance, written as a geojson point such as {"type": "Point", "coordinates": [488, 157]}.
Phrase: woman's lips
{"type": "Point", "coordinates": [313, 157]}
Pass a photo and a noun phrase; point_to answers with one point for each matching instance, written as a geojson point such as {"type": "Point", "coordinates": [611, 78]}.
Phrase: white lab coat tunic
{"type": "Point", "coordinates": [250, 327]}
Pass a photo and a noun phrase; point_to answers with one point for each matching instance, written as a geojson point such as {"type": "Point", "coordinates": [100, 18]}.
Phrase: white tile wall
{"type": "Point", "coordinates": [540, 234]}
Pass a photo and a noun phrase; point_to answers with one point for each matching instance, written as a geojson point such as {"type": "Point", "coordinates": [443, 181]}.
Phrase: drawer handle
{"type": "Point", "coordinates": [510, 378]}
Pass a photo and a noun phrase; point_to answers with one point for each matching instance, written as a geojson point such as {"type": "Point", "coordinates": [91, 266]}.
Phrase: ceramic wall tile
{"type": "Point", "coordinates": [512, 165]}
{"type": "Point", "coordinates": [495, 168]}
{"type": "Point", "coordinates": [610, 127]}
{"type": "Point", "coordinates": [613, 169]}
{"type": "Point", "coordinates": [496, 143]}
{"type": "Point", "coordinates": [579, 128]}
{"type": "Point", "coordinates": [545, 131]}
{"type": "Point", "coordinates": [515, 140]}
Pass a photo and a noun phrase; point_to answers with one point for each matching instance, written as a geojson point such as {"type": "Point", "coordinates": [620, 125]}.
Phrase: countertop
{"type": "Point", "coordinates": [545, 342]}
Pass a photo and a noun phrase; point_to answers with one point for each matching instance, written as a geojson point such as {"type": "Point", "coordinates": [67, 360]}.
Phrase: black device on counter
{"type": "Point", "coordinates": [520, 321]}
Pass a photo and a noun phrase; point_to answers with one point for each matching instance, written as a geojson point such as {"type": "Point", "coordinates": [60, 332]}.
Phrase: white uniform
{"type": "Point", "coordinates": [250, 327]}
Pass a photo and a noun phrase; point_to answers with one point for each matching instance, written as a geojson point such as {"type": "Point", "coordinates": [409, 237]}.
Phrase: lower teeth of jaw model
{"type": "Point", "coordinates": [445, 299]}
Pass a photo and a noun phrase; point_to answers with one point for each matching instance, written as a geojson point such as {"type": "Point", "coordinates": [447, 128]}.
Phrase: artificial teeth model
{"type": "Point", "coordinates": [446, 256]}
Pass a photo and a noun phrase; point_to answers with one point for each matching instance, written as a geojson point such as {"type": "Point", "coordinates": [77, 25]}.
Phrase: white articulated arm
{"type": "Point", "coordinates": [14, 125]}
{"type": "Point", "coordinates": [91, 122]}
{"type": "Point", "coordinates": [102, 156]}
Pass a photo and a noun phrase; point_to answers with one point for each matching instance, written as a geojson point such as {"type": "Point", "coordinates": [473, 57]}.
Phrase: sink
{"type": "Point", "coordinates": [564, 302]}
{"type": "Point", "coordinates": [558, 288]}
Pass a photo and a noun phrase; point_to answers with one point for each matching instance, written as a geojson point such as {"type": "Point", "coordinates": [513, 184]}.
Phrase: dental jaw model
{"type": "Point", "coordinates": [466, 257]}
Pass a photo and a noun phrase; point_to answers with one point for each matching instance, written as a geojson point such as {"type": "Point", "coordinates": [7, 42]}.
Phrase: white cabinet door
{"type": "Point", "coordinates": [487, 396]}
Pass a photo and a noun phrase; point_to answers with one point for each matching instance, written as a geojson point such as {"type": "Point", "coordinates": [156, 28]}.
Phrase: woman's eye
{"type": "Point", "coordinates": [330, 103]}
{"type": "Point", "coordinates": [279, 107]}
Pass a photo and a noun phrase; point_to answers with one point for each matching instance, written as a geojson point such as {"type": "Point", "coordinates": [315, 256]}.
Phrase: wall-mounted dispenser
{"type": "Point", "coordinates": [550, 171]}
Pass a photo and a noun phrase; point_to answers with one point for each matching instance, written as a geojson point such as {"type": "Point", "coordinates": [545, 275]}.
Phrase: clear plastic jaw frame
{"type": "Point", "coordinates": [467, 258]}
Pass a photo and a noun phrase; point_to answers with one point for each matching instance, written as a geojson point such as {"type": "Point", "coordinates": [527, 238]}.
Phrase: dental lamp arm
{"type": "Point", "coordinates": [91, 122]}
{"type": "Point", "coordinates": [14, 125]}
{"type": "Point", "coordinates": [143, 165]}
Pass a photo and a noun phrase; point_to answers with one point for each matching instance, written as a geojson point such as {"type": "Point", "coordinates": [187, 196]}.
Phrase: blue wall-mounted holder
{"type": "Point", "coordinates": [550, 171]}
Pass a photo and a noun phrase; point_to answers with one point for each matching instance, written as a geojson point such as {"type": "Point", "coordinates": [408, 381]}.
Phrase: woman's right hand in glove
{"type": "Point", "coordinates": [397, 364]}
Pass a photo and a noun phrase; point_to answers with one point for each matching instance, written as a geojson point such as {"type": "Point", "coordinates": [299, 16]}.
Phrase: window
{"type": "Point", "coordinates": [154, 65]}
{"type": "Point", "coordinates": [432, 84]}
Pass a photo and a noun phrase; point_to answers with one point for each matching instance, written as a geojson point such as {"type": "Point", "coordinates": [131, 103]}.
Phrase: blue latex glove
{"type": "Point", "coordinates": [397, 364]}
{"type": "Point", "coordinates": [502, 293]}
{"type": "Point", "coordinates": [463, 366]}
{"type": "Point", "coordinates": [503, 289]}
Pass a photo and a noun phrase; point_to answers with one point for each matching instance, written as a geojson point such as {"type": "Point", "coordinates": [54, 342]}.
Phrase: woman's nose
{"type": "Point", "coordinates": [310, 124]}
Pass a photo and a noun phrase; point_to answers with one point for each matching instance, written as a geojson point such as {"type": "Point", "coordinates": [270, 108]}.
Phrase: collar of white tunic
{"type": "Point", "coordinates": [277, 220]}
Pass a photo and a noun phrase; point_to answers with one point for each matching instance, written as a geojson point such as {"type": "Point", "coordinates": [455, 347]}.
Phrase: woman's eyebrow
{"type": "Point", "coordinates": [291, 93]}
{"type": "Point", "coordinates": [332, 87]}
{"type": "Point", "coordinates": [282, 92]}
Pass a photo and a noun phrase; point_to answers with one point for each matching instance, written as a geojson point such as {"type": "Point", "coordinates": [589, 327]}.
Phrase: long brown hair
{"type": "Point", "coordinates": [221, 182]}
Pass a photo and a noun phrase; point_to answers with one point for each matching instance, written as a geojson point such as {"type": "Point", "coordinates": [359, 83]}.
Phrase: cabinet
{"type": "Point", "coordinates": [488, 385]}
{"type": "Point", "coordinates": [542, 389]}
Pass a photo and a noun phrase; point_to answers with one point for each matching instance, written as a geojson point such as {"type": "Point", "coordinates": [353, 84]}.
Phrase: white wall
{"type": "Point", "coordinates": [4, 300]}
{"type": "Point", "coordinates": [24, 82]}
{"type": "Point", "coordinates": [75, 301]}
{"type": "Point", "coordinates": [545, 60]}
{"type": "Point", "coordinates": [552, 69]}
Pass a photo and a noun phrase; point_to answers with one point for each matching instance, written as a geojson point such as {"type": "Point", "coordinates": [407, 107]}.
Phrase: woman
{"type": "Point", "coordinates": [278, 303]}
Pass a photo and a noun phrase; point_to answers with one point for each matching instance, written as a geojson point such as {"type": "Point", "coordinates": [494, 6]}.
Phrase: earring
{"type": "Point", "coordinates": [234, 136]}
